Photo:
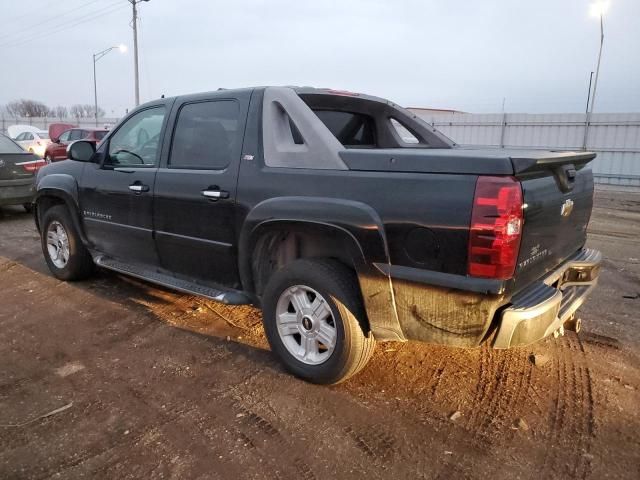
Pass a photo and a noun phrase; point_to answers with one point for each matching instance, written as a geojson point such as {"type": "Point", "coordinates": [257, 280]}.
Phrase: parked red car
{"type": "Point", "coordinates": [57, 149]}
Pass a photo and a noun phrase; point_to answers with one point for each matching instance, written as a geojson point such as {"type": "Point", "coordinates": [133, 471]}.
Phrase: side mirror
{"type": "Point", "coordinates": [81, 151]}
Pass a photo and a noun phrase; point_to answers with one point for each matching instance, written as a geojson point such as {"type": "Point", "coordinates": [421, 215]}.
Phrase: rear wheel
{"type": "Point", "coordinates": [313, 318]}
{"type": "Point", "coordinates": [66, 256]}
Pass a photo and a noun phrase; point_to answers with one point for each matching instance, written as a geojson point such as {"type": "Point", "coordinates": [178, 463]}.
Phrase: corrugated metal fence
{"type": "Point", "coordinates": [614, 136]}
{"type": "Point", "coordinates": [44, 122]}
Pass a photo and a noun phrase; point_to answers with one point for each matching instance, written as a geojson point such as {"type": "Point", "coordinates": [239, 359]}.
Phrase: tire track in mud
{"type": "Point", "coordinates": [571, 421]}
{"type": "Point", "coordinates": [260, 434]}
{"type": "Point", "coordinates": [503, 380]}
{"type": "Point", "coordinates": [375, 443]}
{"type": "Point", "coordinates": [356, 438]}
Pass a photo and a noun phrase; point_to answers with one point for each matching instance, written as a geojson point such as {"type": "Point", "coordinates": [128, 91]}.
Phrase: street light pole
{"type": "Point", "coordinates": [96, 57]}
{"type": "Point", "coordinates": [598, 9]}
{"type": "Point", "coordinates": [134, 25]}
{"type": "Point", "coordinates": [95, 91]}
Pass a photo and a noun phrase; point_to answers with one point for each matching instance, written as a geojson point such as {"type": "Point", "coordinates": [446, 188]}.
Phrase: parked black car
{"type": "Point", "coordinates": [17, 173]}
{"type": "Point", "coordinates": [344, 216]}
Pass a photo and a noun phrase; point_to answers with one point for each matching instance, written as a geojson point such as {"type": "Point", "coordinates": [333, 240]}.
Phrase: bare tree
{"type": "Point", "coordinates": [85, 111]}
{"type": "Point", "coordinates": [27, 108]}
{"type": "Point", "coordinates": [61, 112]}
{"type": "Point", "coordinates": [13, 108]}
{"type": "Point", "coordinates": [76, 111]}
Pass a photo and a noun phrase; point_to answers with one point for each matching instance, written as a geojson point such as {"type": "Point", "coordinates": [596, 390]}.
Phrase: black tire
{"type": "Point", "coordinates": [338, 285]}
{"type": "Point", "coordinates": [80, 264]}
{"type": "Point", "coordinates": [28, 207]}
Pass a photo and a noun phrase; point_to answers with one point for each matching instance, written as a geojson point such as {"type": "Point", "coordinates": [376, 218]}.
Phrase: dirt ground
{"type": "Point", "coordinates": [147, 383]}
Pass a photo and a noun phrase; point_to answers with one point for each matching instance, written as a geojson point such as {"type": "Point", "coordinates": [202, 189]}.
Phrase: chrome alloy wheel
{"type": "Point", "coordinates": [58, 244]}
{"type": "Point", "coordinates": [306, 325]}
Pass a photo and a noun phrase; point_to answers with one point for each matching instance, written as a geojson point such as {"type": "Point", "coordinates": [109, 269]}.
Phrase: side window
{"type": "Point", "coordinates": [65, 136]}
{"type": "Point", "coordinates": [137, 141]}
{"type": "Point", "coordinates": [28, 136]}
{"type": "Point", "coordinates": [20, 137]}
{"type": "Point", "coordinates": [206, 135]}
{"type": "Point", "coordinates": [76, 135]}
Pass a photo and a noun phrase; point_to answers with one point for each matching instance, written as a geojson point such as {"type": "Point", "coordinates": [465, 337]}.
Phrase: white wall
{"type": "Point", "coordinates": [615, 137]}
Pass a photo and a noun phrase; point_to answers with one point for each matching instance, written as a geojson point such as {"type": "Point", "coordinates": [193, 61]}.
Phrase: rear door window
{"type": "Point", "coordinates": [207, 135]}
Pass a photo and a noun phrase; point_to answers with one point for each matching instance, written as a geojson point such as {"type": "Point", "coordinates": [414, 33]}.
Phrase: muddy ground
{"type": "Point", "coordinates": [147, 383]}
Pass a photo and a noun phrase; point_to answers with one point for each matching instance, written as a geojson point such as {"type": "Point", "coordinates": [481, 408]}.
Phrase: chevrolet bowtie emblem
{"type": "Point", "coordinates": [567, 208]}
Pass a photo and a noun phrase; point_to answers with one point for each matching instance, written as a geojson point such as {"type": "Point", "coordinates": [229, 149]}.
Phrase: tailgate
{"type": "Point", "coordinates": [558, 197]}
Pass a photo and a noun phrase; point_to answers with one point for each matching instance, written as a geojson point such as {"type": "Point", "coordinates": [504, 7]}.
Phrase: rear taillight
{"type": "Point", "coordinates": [496, 228]}
{"type": "Point", "coordinates": [32, 165]}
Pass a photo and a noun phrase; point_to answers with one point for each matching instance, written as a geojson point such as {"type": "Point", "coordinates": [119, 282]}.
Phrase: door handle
{"type": "Point", "coordinates": [138, 187]}
{"type": "Point", "coordinates": [214, 193]}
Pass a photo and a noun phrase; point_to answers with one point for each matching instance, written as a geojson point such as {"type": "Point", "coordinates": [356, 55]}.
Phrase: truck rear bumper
{"type": "Point", "coordinates": [545, 306]}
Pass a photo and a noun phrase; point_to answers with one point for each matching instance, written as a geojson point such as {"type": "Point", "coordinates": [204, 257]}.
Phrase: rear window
{"type": "Point", "coordinates": [9, 146]}
{"type": "Point", "coordinates": [100, 135]}
{"type": "Point", "coordinates": [351, 129]}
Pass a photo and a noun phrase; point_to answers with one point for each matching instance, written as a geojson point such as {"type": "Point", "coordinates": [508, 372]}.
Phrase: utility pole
{"type": "Point", "coordinates": [95, 91]}
{"type": "Point", "coordinates": [134, 25]}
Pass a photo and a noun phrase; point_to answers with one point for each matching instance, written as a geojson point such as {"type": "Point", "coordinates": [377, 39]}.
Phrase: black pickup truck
{"type": "Point", "coordinates": [346, 218]}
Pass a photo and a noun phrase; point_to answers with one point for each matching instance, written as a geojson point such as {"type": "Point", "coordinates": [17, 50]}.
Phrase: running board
{"type": "Point", "coordinates": [230, 297]}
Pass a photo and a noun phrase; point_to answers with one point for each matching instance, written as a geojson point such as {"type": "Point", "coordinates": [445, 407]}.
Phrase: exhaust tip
{"type": "Point", "coordinates": [574, 324]}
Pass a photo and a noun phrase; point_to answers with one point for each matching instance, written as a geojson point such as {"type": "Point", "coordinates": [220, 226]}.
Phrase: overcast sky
{"type": "Point", "coordinates": [460, 54]}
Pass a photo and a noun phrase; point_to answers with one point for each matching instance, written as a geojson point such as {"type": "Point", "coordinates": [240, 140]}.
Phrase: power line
{"type": "Point", "coordinates": [78, 21]}
{"type": "Point", "coordinates": [25, 29]}
{"type": "Point", "coordinates": [28, 14]}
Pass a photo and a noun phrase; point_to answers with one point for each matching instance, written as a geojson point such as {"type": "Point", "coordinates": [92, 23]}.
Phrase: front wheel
{"type": "Point", "coordinates": [66, 256]}
{"type": "Point", "coordinates": [314, 321]}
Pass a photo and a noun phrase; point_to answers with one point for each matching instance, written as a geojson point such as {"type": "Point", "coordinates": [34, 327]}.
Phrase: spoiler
{"type": "Point", "coordinates": [549, 160]}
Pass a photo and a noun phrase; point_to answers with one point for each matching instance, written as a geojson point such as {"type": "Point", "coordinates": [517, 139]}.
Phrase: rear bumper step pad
{"type": "Point", "coordinates": [545, 306]}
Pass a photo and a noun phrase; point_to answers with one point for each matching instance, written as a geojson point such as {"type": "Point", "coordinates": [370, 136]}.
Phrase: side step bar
{"type": "Point", "coordinates": [230, 297]}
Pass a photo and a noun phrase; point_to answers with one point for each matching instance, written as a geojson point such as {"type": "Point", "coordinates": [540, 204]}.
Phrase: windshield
{"type": "Point", "coordinates": [9, 146]}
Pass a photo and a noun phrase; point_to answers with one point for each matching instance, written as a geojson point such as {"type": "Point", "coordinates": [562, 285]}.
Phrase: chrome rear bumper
{"type": "Point", "coordinates": [546, 306]}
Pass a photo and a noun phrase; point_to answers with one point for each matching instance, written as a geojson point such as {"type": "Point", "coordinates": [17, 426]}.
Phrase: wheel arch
{"type": "Point", "coordinates": [58, 189]}
{"type": "Point", "coordinates": [280, 230]}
